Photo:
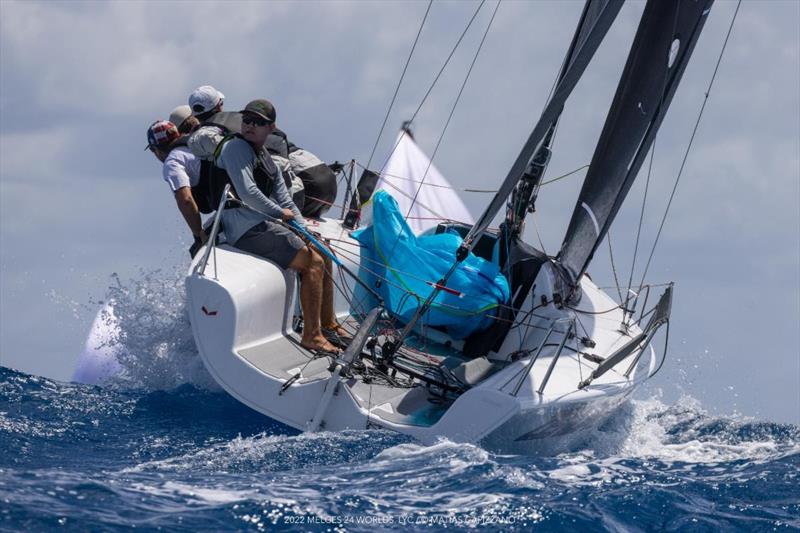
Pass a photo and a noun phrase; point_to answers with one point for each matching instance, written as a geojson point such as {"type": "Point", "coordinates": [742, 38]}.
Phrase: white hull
{"type": "Point", "coordinates": [241, 313]}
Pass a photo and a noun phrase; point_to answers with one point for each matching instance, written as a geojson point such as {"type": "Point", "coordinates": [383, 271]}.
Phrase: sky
{"type": "Point", "coordinates": [80, 201]}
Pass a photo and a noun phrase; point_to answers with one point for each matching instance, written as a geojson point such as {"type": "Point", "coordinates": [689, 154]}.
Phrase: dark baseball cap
{"type": "Point", "coordinates": [262, 108]}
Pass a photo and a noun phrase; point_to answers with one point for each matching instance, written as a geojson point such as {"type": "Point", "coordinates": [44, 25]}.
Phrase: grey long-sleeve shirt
{"type": "Point", "coordinates": [238, 160]}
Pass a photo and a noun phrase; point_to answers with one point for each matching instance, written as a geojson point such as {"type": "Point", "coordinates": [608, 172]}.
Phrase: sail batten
{"type": "Point", "coordinates": [660, 52]}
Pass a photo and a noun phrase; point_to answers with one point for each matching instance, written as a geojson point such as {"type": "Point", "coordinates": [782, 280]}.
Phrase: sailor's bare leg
{"type": "Point", "coordinates": [328, 312]}
{"type": "Point", "coordinates": [311, 266]}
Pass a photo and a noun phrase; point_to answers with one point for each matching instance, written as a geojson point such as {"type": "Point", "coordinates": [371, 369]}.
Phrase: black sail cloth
{"type": "Point", "coordinates": [661, 49]}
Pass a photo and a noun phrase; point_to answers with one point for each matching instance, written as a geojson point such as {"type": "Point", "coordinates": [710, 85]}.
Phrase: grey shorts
{"type": "Point", "coordinates": [271, 241]}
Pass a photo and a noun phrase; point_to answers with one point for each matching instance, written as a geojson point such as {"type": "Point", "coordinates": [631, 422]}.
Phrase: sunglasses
{"type": "Point", "coordinates": [254, 120]}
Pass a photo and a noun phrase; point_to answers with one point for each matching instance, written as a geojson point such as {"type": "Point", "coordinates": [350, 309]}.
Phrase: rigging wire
{"type": "Point", "coordinates": [641, 219]}
{"type": "Point", "coordinates": [455, 104]}
{"type": "Point", "coordinates": [563, 176]}
{"type": "Point", "coordinates": [538, 235]}
{"type": "Point", "coordinates": [486, 191]}
{"type": "Point", "coordinates": [666, 345]}
{"type": "Point", "coordinates": [413, 199]}
{"type": "Point", "coordinates": [613, 266]}
{"type": "Point", "coordinates": [436, 78]}
{"type": "Point", "coordinates": [689, 146]}
{"type": "Point", "coordinates": [400, 82]}
{"type": "Point", "coordinates": [584, 312]}
{"type": "Point", "coordinates": [436, 185]}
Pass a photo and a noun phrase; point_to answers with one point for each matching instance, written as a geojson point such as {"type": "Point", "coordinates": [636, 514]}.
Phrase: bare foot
{"type": "Point", "coordinates": [319, 344]}
{"type": "Point", "coordinates": [338, 329]}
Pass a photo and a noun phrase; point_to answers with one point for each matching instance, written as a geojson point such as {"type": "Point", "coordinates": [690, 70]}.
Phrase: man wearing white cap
{"type": "Point", "coordinates": [205, 101]}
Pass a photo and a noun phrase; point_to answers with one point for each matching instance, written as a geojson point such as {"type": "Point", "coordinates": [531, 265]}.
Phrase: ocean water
{"type": "Point", "coordinates": [162, 448]}
{"type": "Point", "coordinates": [86, 458]}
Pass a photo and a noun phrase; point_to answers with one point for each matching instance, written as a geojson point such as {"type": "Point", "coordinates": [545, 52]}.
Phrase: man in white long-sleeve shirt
{"type": "Point", "coordinates": [253, 228]}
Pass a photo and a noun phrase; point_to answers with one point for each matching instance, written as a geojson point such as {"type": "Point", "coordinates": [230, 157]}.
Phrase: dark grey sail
{"type": "Point", "coordinates": [661, 49]}
{"type": "Point", "coordinates": [596, 19]}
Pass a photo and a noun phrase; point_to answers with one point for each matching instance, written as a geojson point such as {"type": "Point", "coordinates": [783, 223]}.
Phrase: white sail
{"type": "Point", "coordinates": [98, 361]}
{"type": "Point", "coordinates": [409, 169]}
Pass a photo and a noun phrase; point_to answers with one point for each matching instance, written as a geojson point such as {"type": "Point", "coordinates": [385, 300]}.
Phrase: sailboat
{"type": "Point", "coordinates": [550, 360]}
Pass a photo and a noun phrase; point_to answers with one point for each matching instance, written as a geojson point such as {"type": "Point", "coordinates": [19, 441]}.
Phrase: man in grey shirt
{"type": "Point", "coordinates": [254, 227]}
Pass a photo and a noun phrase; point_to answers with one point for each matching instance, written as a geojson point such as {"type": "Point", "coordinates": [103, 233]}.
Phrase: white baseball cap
{"type": "Point", "coordinates": [204, 99]}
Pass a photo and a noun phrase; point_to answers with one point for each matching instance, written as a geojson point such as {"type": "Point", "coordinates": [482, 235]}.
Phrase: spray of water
{"type": "Point", "coordinates": [151, 336]}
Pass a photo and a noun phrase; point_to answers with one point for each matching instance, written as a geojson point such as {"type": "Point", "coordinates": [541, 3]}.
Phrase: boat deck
{"type": "Point", "coordinates": [283, 358]}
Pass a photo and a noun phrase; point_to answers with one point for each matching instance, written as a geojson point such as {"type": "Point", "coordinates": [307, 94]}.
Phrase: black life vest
{"type": "Point", "coordinates": [319, 181]}
{"type": "Point", "coordinates": [228, 121]}
{"type": "Point", "coordinates": [278, 144]}
{"type": "Point", "coordinates": [208, 191]}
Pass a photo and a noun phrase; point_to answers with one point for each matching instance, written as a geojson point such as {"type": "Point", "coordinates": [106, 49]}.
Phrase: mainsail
{"type": "Point", "coordinates": [661, 49]}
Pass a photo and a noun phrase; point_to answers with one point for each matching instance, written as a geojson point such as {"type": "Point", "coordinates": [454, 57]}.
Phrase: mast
{"type": "Point", "coordinates": [523, 197]}
{"type": "Point", "coordinates": [595, 21]}
{"type": "Point", "coordinates": [661, 49]}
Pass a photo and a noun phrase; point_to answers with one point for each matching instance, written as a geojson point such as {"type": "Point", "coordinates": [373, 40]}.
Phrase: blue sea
{"type": "Point", "coordinates": [84, 458]}
{"type": "Point", "coordinates": [162, 448]}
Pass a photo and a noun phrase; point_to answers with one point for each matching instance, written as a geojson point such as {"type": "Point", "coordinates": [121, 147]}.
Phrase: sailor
{"type": "Point", "coordinates": [206, 105]}
{"type": "Point", "coordinates": [182, 117]}
{"type": "Point", "coordinates": [181, 170]}
{"type": "Point", "coordinates": [256, 226]}
{"type": "Point", "coordinates": [205, 102]}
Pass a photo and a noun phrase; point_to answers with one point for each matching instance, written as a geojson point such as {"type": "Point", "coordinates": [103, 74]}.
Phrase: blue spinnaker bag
{"type": "Point", "coordinates": [403, 268]}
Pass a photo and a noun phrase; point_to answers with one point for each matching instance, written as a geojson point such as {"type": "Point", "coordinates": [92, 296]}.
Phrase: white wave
{"type": "Point", "coordinates": [98, 362]}
{"type": "Point", "coordinates": [414, 450]}
{"type": "Point", "coordinates": [525, 479]}
{"type": "Point", "coordinates": [679, 437]}
{"type": "Point", "coordinates": [671, 434]}
{"type": "Point", "coordinates": [262, 452]}
{"type": "Point", "coordinates": [193, 492]}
